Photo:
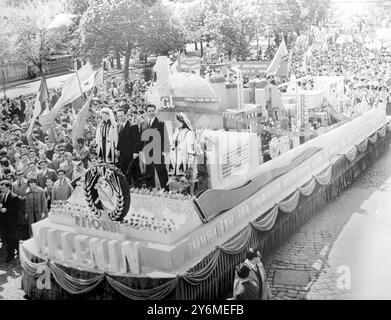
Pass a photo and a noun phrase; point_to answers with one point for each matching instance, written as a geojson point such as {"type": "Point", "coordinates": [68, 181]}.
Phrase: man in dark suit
{"type": "Point", "coordinates": [156, 146]}
{"type": "Point", "coordinates": [45, 173]}
{"type": "Point", "coordinates": [129, 146]}
{"type": "Point", "coordinates": [10, 206]}
{"type": "Point", "coordinates": [246, 288]}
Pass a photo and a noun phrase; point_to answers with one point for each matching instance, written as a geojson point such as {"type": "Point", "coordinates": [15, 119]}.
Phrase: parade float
{"type": "Point", "coordinates": [112, 242]}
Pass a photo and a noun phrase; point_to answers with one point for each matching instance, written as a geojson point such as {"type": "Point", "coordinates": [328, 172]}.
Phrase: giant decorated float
{"type": "Point", "coordinates": [109, 241]}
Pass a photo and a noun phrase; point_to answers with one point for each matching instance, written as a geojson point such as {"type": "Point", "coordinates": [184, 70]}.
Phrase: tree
{"type": "Point", "coordinates": [234, 24]}
{"type": "Point", "coordinates": [162, 32]}
{"type": "Point", "coordinates": [194, 17]}
{"type": "Point", "coordinates": [73, 36]}
{"type": "Point", "coordinates": [113, 26]}
{"type": "Point", "coordinates": [32, 41]}
{"type": "Point", "coordinates": [298, 15]}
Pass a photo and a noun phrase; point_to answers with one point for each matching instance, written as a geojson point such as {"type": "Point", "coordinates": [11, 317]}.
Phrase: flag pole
{"type": "Point", "coordinates": [5, 93]}
{"type": "Point", "coordinates": [78, 81]}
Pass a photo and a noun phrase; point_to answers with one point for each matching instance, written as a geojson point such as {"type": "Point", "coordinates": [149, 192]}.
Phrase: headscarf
{"type": "Point", "coordinates": [182, 117]}
{"type": "Point", "coordinates": [111, 115]}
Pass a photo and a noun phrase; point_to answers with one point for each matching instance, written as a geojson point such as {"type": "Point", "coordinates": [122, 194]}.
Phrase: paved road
{"type": "Point", "coordinates": [349, 238]}
{"type": "Point", "coordinates": [343, 251]}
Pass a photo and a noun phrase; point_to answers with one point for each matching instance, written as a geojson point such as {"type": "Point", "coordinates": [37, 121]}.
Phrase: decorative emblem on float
{"type": "Point", "coordinates": [107, 191]}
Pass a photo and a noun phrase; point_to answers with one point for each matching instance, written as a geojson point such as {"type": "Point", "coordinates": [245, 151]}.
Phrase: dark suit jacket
{"type": "Point", "coordinates": [161, 128]}
{"type": "Point", "coordinates": [246, 290]}
{"type": "Point", "coordinates": [41, 179]}
{"type": "Point", "coordinates": [11, 216]}
{"type": "Point", "coordinates": [129, 142]}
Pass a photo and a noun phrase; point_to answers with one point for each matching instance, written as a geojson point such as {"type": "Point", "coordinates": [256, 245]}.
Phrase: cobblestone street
{"type": "Point", "coordinates": [349, 237]}
{"type": "Point", "coordinates": [10, 279]}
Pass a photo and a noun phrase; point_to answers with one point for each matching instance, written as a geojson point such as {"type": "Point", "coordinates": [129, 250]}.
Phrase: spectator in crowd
{"type": "Point", "coordinates": [36, 203]}
{"type": "Point", "coordinates": [253, 261]}
{"type": "Point", "coordinates": [62, 188]}
{"type": "Point", "coordinates": [10, 206]}
{"type": "Point", "coordinates": [45, 173]}
{"type": "Point", "coordinates": [246, 288]}
{"type": "Point", "coordinates": [48, 192]}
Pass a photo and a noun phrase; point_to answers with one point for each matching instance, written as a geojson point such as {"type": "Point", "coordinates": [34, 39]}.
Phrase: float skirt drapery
{"type": "Point", "coordinates": [213, 276]}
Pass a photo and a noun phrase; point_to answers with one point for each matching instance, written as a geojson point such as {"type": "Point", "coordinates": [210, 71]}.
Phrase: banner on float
{"type": "Point", "coordinates": [169, 102]}
{"type": "Point", "coordinates": [252, 68]}
{"type": "Point", "coordinates": [189, 63]}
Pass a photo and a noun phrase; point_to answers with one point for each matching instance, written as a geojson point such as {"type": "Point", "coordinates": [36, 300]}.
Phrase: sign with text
{"type": "Point", "coordinates": [252, 68]}
{"type": "Point", "coordinates": [188, 64]}
{"type": "Point", "coordinates": [169, 102]}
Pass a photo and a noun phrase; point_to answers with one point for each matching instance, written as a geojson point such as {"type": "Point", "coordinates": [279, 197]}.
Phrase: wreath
{"type": "Point", "coordinates": [113, 178]}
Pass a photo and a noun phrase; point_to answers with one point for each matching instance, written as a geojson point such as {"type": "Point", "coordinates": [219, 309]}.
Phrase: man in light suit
{"type": "Point", "coordinates": [10, 205]}
{"type": "Point", "coordinates": [62, 188]}
{"type": "Point", "coordinates": [45, 174]}
{"type": "Point", "coordinates": [156, 146]}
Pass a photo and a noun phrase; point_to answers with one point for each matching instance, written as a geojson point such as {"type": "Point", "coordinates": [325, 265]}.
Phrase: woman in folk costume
{"type": "Point", "coordinates": [107, 137]}
{"type": "Point", "coordinates": [182, 146]}
{"type": "Point", "coordinates": [382, 99]}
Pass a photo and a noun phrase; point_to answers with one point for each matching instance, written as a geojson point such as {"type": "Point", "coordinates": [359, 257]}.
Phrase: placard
{"type": "Point", "coordinates": [252, 68]}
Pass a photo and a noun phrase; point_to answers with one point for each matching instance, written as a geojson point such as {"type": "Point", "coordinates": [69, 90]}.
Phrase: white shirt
{"type": "Point", "coordinates": [150, 122]}
{"type": "Point", "coordinates": [6, 196]}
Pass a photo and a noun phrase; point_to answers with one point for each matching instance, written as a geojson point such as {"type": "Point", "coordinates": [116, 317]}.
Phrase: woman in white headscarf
{"type": "Point", "coordinates": [107, 137]}
{"type": "Point", "coordinates": [182, 145]}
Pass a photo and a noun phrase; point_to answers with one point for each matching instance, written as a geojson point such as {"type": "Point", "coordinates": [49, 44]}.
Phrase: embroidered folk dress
{"type": "Point", "coordinates": [182, 153]}
{"type": "Point", "coordinates": [107, 141]}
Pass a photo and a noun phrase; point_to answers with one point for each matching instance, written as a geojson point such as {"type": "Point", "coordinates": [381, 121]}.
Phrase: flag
{"type": "Point", "coordinates": [81, 119]}
{"type": "Point", "coordinates": [93, 80]}
{"type": "Point", "coordinates": [40, 105]}
{"type": "Point", "coordinates": [77, 84]}
{"type": "Point", "coordinates": [98, 78]}
{"type": "Point", "coordinates": [280, 57]}
{"type": "Point", "coordinates": [289, 62]}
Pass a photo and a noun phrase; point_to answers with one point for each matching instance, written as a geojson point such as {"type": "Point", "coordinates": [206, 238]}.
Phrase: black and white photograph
{"type": "Point", "coordinates": [195, 150]}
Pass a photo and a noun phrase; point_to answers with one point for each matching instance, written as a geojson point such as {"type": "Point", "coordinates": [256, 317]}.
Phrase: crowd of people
{"type": "Point", "coordinates": [366, 72]}
{"type": "Point", "coordinates": [250, 281]}
{"type": "Point", "coordinates": [43, 167]}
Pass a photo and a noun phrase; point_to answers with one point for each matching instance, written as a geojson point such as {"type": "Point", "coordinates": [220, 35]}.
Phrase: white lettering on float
{"type": "Point", "coordinates": [130, 257]}
{"type": "Point", "coordinates": [114, 255]}
{"type": "Point", "coordinates": [96, 224]}
{"type": "Point", "coordinates": [90, 252]}
{"type": "Point", "coordinates": [52, 236]}
{"type": "Point", "coordinates": [98, 228]}
{"type": "Point", "coordinates": [98, 253]}
{"type": "Point", "coordinates": [43, 241]}
{"type": "Point", "coordinates": [80, 250]}
{"type": "Point", "coordinates": [67, 246]}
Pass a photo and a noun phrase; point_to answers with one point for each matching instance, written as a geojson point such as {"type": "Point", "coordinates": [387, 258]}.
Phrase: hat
{"type": "Point", "coordinates": [42, 160]}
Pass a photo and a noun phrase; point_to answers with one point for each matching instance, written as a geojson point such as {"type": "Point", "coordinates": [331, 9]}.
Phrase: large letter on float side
{"type": "Point", "coordinates": [130, 257]}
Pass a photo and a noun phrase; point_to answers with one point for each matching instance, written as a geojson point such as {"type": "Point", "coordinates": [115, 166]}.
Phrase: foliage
{"type": "Point", "coordinates": [193, 17]}
{"type": "Point", "coordinates": [234, 24]}
{"type": "Point", "coordinates": [163, 33]}
{"type": "Point", "coordinates": [298, 15]}
{"type": "Point", "coordinates": [31, 40]}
